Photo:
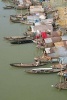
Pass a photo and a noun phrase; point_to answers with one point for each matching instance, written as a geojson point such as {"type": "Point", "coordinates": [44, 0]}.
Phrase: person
{"type": "Point", "coordinates": [54, 24]}
{"type": "Point", "coordinates": [37, 63]}
{"type": "Point", "coordinates": [46, 56]}
{"type": "Point", "coordinates": [21, 64]}
{"type": "Point", "coordinates": [44, 52]}
{"type": "Point", "coordinates": [49, 32]}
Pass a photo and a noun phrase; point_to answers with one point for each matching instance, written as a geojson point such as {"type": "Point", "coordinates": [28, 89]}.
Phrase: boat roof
{"type": "Point", "coordinates": [42, 69]}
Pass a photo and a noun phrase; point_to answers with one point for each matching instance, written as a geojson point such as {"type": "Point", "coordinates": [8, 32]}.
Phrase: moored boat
{"type": "Point", "coordinates": [43, 70]}
{"type": "Point", "coordinates": [21, 7]}
{"type": "Point", "coordinates": [14, 37]}
{"type": "Point", "coordinates": [21, 41]}
{"type": "Point", "coordinates": [8, 7]}
{"type": "Point", "coordinates": [47, 59]}
{"type": "Point", "coordinates": [19, 16]}
{"type": "Point", "coordinates": [15, 20]}
{"type": "Point", "coordinates": [63, 83]}
{"type": "Point", "coordinates": [26, 22]}
{"type": "Point", "coordinates": [23, 65]}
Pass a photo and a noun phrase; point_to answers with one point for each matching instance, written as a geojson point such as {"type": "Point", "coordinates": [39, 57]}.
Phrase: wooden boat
{"type": "Point", "coordinates": [23, 7]}
{"type": "Point", "coordinates": [24, 15]}
{"type": "Point", "coordinates": [23, 65]}
{"type": "Point", "coordinates": [21, 41]}
{"type": "Point", "coordinates": [15, 20]}
{"type": "Point", "coordinates": [15, 16]}
{"type": "Point", "coordinates": [14, 37]}
{"type": "Point", "coordinates": [43, 70]}
{"type": "Point", "coordinates": [19, 16]}
{"type": "Point", "coordinates": [26, 22]}
{"type": "Point", "coordinates": [61, 85]}
{"type": "Point", "coordinates": [8, 7]}
{"type": "Point", "coordinates": [47, 59]}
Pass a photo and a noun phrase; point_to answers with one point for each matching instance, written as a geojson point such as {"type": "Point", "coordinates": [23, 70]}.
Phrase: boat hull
{"type": "Point", "coordinates": [47, 60]}
{"type": "Point", "coordinates": [14, 37]}
{"type": "Point", "coordinates": [43, 71]}
{"type": "Point", "coordinates": [26, 65]}
{"type": "Point", "coordinates": [8, 7]}
{"type": "Point", "coordinates": [21, 41]}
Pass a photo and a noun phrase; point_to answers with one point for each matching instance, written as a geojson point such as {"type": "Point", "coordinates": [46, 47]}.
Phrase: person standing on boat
{"type": "Point", "coordinates": [45, 55]}
{"type": "Point", "coordinates": [37, 63]}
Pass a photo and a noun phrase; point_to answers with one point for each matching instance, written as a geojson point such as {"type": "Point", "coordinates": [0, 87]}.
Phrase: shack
{"type": "Point", "coordinates": [43, 28]}
{"type": "Point", "coordinates": [36, 9]}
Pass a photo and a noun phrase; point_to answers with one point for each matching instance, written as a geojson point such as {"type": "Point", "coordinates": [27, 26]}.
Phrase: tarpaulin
{"type": "Point", "coordinates": [44, 35]}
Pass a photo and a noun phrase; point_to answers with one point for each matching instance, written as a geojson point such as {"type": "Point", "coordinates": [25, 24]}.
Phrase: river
{"type": "Point", "coordinates": [15, 84]}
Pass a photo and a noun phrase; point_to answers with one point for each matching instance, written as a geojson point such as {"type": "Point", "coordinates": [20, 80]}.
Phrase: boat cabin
{"type": "Point", "coordinates": [41, 69]}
